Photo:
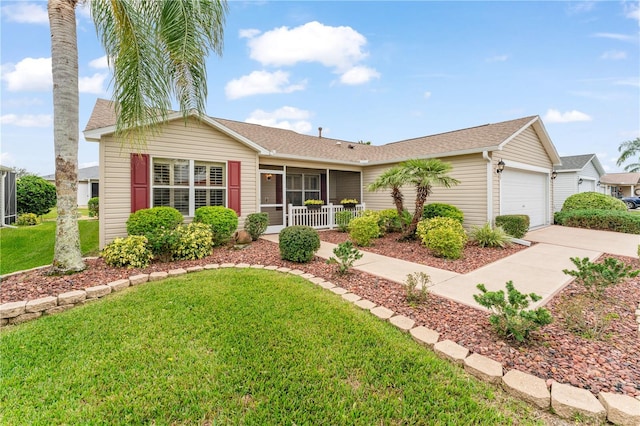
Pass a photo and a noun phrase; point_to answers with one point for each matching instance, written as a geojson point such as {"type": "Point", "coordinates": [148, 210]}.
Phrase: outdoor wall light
{"type": "Point", "coordinates": [500, 168]}
{"type": "Point", "coordinates": [554, 175]}
{"type": "Point", "coordinates": [268, 176]}
{"type": "Point", "coordinates": [598, 183]}
{"type": "Point", "coordinates": [580, 181]}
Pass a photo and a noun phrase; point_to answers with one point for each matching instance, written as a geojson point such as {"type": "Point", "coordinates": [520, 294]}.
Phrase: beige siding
{"type": "Point", "coordinates": [195, 142]}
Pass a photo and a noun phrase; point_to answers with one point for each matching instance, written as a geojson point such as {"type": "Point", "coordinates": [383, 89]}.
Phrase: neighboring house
{"type": "Point", "coordinates": [88, 184]}
{"type": "Point", "coordinates": [252, 168]}
{"type": "Point", "coordinates": [621, 184]}
{"type": "Point", "coordinates": [8, 199]}
{"type": "Point", "coordinates": [578, 173]}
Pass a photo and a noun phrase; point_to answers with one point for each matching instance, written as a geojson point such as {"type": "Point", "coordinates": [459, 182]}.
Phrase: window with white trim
{"type": "Point", "coordinates": [188, 184]}
{"type": "Point", "coordinates": [302, 187]}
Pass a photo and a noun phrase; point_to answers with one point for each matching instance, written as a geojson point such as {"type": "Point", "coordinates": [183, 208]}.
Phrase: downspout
{"type": "Point", "coordinates": [485, 155]}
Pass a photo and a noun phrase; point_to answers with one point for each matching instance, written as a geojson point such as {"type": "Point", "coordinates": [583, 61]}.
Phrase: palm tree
{"type": "Point", "coordinates": [629, 149]}
{"type": "Point", "coordinates": [157, 50]}
{"type": "Point", "coordinates": [392, 179]}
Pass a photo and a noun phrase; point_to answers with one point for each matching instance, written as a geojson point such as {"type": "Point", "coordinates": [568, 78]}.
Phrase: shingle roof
{"type": "Point", "coordinates": [85, 173]}
{"type": "Point", "coordinates": [287, 143]}
{"type": "Point", "coordinates": [574, 162]}
{"type": "Point", "coordinates": [620, 178]}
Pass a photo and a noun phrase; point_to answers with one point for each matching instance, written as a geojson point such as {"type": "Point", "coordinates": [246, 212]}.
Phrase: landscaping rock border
{"type": "Point", "coordinates": [565, 400]}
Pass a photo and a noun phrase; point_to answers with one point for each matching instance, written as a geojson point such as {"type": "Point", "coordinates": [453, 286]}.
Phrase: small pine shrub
{"type": "Point", "coordinates": [444, 236]}
{"type": "Point", "coordinates": [515, 225]}
{"type": "Point", "coordinates": [298, 243]}
{"type": "Point", "coordinates": [346, 255]}
{"type": "Point", "coordinates": [510, 316]}
{"type": "Point", "coordinates": [191, 242]}
{"type": "Point", "coordinates": [597, 277]}
{"type": "Point", "coordinates": [587, 317]}
{"type": "Point", "coordinates": [27, 219]}
{"type": "Point", "coordinates": [484, 236]}
{"type": "Point", "coordinates": [131, 252]}
{"type": "Point", "coordinates": [363, 229]}
{"type": "Point", "coordinates": [223, 222]}
{"type": "Point", "coordinates": [94, 206]}
{"type": "Point", "coordinates": [442, 210]}
{"type": "Point", "coordinates": [255, 224]}
{"type": "Point", "coordinates": [417, 295]}
{"type": "Point", "coordinates": [343, 218]}
{"type": "Point", "coordinates": [593, 200]}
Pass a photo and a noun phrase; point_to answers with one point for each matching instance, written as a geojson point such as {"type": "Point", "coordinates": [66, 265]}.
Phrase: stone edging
{"type": "Point", "coordinates": [565, 400]}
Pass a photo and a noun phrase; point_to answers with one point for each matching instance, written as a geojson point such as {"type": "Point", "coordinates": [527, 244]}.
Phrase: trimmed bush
{"type": "Point", "coordinates": [444, 236]}
{"type": "Point", "coordinates": [298, 243]}
{"type": "Point", "coordinates": [484, 236]}
{"type": "Point", "coordinates": [191, 242]}
{"type": "Point", "coordinates": [157, 224]}
{"type": "Point", "coordinates": [27, 219]}
{"type": "Point", "coordinates": [94, 206]}
{"type": "Point", "coordinates": [593, 200]}
{"type": "Point", "coordinates": [255, 224]}
{"type": "Point", "coordinates": [363, 229]}
{"type": "Point", "coordinates": [390, 221]}
{"type": "Point", "coordinates": [35, 195]}
{"type": "Point", "coordinates": [605, 220]}
{"type": "Point", "coordinates": [223, 222]}
{"type": "Point", "coordinates": [515, 225]}
{"type": "Point", "coordinates": [442, 210]}
{"type": "Point", "coordinates": [131, 252]}
{"type": "Point", "coordinates": [343, 218]}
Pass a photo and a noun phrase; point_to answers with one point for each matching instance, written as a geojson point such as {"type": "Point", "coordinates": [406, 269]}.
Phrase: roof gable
{"type": "Point", "coordinates": [575, 163]}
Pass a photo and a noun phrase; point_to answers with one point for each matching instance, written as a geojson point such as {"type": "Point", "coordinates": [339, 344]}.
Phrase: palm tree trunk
{"type": "Point", "coordinates": [64, 62]}
{"type": "Point", "coordinates": [422, 192]}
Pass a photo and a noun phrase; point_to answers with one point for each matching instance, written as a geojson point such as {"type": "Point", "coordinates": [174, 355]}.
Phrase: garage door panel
{"type": "Point", "coordinates": [524, 192]}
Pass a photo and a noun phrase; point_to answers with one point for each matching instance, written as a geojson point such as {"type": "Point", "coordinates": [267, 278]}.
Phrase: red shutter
{"type": "Point", "coordinates": [233, 186]}
{"type": "Point", "coordinates": [140, 185]}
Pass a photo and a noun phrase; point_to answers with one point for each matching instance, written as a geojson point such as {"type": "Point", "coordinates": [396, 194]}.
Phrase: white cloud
{"type": "Point", "coordinates": [249, 33]}
{"type": "Point", "coordinates": [100, 63]}
{"type": "Point", "coordinates": [359, 75]}
{"type": "Point", "coordinates": [27, 120]}
{"type": "Point", "coordinates": [632, 11]}
{"type": "Point", "coordinates": [6, 159]}
{"type": "Point", "coordinates": [26, 13]}
{"type": "Point", "coordinates": [427, 95]}
{"type": "Point", "coordinates": [289, 118]}
{"type": "Point", "coordinates": [261, 82]}
{"type": "Point", "coordinates": [555, 116]}
{"type": "Point", "coordinates": [614, 36]}
{"type": "Point", "coordinates": [606, 167]}
{"type": "Point", "coordinates": [498, 58]}
{"type": "Point", "coordinates": [633, 81]}
{"type": "Point", "coordinates": [30, 74]}
{"type": "Point", "coordinates": [93, 84]}
{"type": "Point", "coordinates": [614, 55]}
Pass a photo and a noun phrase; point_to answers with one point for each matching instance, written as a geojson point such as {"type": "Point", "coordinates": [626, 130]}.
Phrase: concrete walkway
{"type": "Point", "coordinates": [604, 241]}
{"type": "Point", "coordinates": [537, 269]}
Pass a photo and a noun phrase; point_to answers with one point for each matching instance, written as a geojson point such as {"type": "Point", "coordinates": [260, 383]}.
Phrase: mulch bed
{"type": "Point", "coordinates": [611, 364]}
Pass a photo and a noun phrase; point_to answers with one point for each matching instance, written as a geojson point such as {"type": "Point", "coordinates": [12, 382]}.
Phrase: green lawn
{"type": "Point", "coordinates": [30, 246]}
{"type": "Point", "coordinates": [82, 212]}
{"type": "Point", "coordinates": [233, 347]}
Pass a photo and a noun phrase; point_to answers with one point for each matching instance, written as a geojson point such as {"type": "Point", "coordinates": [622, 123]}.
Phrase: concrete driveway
{"type": "Point", "coordinates": [588, 239]}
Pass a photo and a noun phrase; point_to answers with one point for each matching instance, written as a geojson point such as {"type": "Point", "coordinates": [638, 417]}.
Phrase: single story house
{"type": "Point", "coordinates": [577, 173]}
{"type": "Point", "coordinates": [252, 168]}
{"type": "Point", "coordinates": [621, 184]}
{"type": "Point", "coordinates": [8, 199]}
{"type": "Point", "coordinates": [88, 183]}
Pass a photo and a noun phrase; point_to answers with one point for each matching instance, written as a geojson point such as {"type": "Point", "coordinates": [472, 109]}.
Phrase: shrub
{"type": "Point", "coordinates": [191, 242]}
{"type": "Point", "coordinates": [94, 207]}
{"type": "Point", "coordinates": [27, 219]}
{"type": "Point", "coordinates": [417, 295]}
{"type": "Point", "coordinates": [585, 316]}
{"type": "Point", "coordinates": [346, 254]}
{"type": "Point", "coordinates": [606, 220]}
{"type": "Point", "coordinates": [442, 210]}
{"type": "Point", "coordinates": [255, 224]}
{"type": "Point", "coordinates": [363, 229]}
{"type": "Point", "coordinates": [157, 224]}
{"type": "Point", "coordinates": [298, 243]}
{"type": "Point", "coordinates": [131, 252]}
{"type": "Point", "coordinates": [343, 218]}
{"type": "Point", "coordinates": [35, 195]}
{"type": "Point", "coordinates": [444, 236]}
{"type": "Point", "coordinates": [515, 225]}
{"type": "Point", "coordinates": [596, 277]}
{"type": "Point", "coordinates": [484, 236]}
{"type": "Point", "coordinates": [510, 316]}
{"type": "Point", "coordinates": [223, 222]}
{"type": "Point", "coordinates": [390, 221]}
{"type": "Point", "coordinates": [593, 200]}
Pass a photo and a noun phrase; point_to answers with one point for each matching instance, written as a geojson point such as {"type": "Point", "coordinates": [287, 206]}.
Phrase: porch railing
{"type": "Point", "coordinates": [322, 218]}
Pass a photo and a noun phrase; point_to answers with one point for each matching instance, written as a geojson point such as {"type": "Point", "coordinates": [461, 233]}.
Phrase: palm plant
{"type": "Point", "coordinates": [157, 51]}
{"type": "Point", "coordinates": [629, 149]}
{"type": "Point", "coordinates": [392, 179]}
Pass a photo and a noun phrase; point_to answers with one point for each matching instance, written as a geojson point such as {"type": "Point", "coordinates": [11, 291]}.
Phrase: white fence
{"type": "Point", "coordinates": [322, 218]}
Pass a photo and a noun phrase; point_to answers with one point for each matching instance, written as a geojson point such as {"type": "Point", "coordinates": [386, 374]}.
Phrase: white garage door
{"type": "Point", "coordinates": [524, 192]}
{"type": "Point", "coordinates": [587, 186]}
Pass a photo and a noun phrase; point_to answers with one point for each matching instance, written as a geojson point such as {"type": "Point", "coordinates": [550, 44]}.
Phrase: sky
{"type": "Point", "coordinates": [367, 71]}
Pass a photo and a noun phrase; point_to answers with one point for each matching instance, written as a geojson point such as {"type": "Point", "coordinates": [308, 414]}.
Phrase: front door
{"type": "Point", "coordinates": [271, 199]}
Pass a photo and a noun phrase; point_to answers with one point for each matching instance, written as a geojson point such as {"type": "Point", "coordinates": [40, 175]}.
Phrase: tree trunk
{"type": "Point", "coordinates": [64, 63]}
{"type": "Point", "coordinates": [422, 193]}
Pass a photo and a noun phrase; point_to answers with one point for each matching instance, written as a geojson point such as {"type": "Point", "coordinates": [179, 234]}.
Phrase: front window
{"type": "Point", "coordinates": [187, 184]}
{"type": "Point", "coordinates": [301, 187]}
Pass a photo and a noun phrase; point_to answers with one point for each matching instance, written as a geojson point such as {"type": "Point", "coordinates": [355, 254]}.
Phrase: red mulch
{"type": "Point", "coordinates": [611, 364]}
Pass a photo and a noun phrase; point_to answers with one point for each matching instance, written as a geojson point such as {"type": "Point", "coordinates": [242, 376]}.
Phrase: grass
{"type": "Point", "coordinates": [231, 347]}
{"type": "Point", "coordinates": [53, 214]}
{"type": "Point", "coordinates": [30, 246]}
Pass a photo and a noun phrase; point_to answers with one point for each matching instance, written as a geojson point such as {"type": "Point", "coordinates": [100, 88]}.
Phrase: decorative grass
{"type": "Point", "coordinates": [31, 246]}
{"type": "Point", "coordinates": [233, 347]}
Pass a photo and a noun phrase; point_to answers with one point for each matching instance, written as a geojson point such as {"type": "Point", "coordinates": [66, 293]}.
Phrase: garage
{"type": "Point", "coordinates": [587, 185]}
{"type": "Point", "coordinates": [525, 192]}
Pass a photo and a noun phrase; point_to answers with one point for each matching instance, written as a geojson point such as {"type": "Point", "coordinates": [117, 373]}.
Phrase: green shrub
{"type": "Point", "coordinates": [157, 224]}
{"type": "Point", "coordinates": [605, 220]}
{"type": "Point", "coordinates": [223, 222]}
{"type": "Point", "coordinates": [484, 236]}
{"type": "Point", "coordinates": [94, 207]}
{"type": "Point", "coordinates": [515, 225]}
{"type": "Point", "coordinates": [131, 252]}
{"type": "Point", "coordinates": [255, 224]}
{"type": "Point", "coordinates": [585, 316]}
{"type": "Point", "coordinates": [298, 243]}
{"type": "Point", "coordinates": [346, 254]}
{"type": "Point", "coordinates": [442, 210]}
{"type": "Point", "coordinates": [596, 277]}
{"type": "Point", "coordinates": [343, 218]}
{"type": "Point", "coordinates": [191, 242]}
{"type": "Point", "coordinates": [363, 229]}
{"type": "Point", "coordinates": [27, 219]}
{"type": "Point", "coordinates": [35, 195]}
{"type": "Point", "coordinates": [593, 200]}
{"type": "Point", "coordinates": [390, 221]}
{"type": "Point", "coordinates": [415, 295]}
{"type": "Point", "coordinates": [444, 236]}
{"type": "Point", "coordinates": [510, 316]}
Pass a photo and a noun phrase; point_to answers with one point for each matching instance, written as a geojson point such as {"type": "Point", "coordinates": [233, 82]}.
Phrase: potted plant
{"type": "Point", "coordinates": [314, 204]}
{"type": "Point", "coordinates": [348, 203]}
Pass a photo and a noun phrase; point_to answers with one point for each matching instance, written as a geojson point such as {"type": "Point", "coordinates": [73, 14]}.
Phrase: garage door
{"type": "Point", "coordinates": [524, 192]}
{"type": "Point", "coordinates": [587, 186]}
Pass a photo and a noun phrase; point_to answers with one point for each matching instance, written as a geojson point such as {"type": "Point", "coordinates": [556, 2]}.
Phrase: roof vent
{"type": "Point", "coordinates": [339, 144]}
{"type": "Point", "coordinates": [320, 132]}
{"type": "Point", "coordinates": [351, 147]}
